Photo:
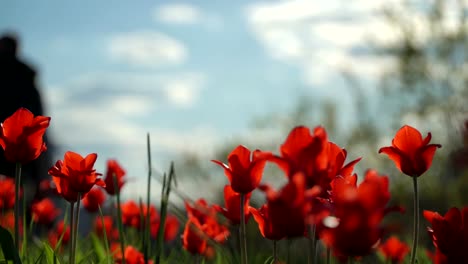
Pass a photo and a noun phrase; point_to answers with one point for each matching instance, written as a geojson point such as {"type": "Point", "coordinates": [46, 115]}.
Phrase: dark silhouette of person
{"type": "Point", "coordinates": [18, 89]}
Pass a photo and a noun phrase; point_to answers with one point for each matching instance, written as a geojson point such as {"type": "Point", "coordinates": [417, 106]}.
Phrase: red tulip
{"type": "Point", "coordinates": [7, 193]}
{"type": "Point", "coordinates": [21, 136]}
{"type": "Point", "coordinates": [7, 220]}
{"type": "Point", "coordinates": [201, 226]}
{"type": "Point", "coordinates": [232, 205]}
{"type": "Point", "coordinates": [287, 208]}
{"type": "Point", "coordinates": [450, 233]}
{"type": "Point", "coordinates": [131, 256]}
{"type": "Point", "coordinates": [132, 214]}
{"type": "Point", "coordinates": [171, 228]}
{"type": "Point", "coordinates": [111, 232]}
{"type": "Point", "coordinates": [44, 211]}
{"type": "Point", "coordinates": [437, 257]}
{"type": "Point", "coordinates": [206, 215]}
{"type": "Point", "coordinates": [60, 232]}
{"type": "Point", "coordinates": [114, 168]}
{"type": "Point", "coordinates": [94, 199]}
{"type": "Point", "coordinates": [411, 153]}
{"type": "Point", "coordinates": [75, 174]}
{"type": "Point", "coordinates": [313, 155]}
{"type": "Point", "coordinates": [358, 212]}
{"type": "Point", "coordinates": [394, 250]}
{"type": "Point", "coordinates": [193, 238]}
{"type": "Point", "coordinates": [245, 169]}
{"type": "Point", "coordinates": [265, 223]}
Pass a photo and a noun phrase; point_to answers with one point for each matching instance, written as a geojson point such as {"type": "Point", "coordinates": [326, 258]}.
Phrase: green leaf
{"type": "Point", "coordinates": [98, 248]}
{"type": "Point", "coordinates": [8, 247]}
{"type": "Point", "coordinates": [49, 254]}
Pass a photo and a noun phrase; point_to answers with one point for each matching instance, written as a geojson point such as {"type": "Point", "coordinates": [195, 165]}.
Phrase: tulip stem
{"type": "Point", "coordinates": [72, 224]}
{"type": "Point", "coordinates": [74, 229]}
{"type": "Point", "coordinates": [415, 220]}
{"type": "Point", "coordinates": [119, 217]}
{"type": "Point", "coordinates": [17, 199]}
{"type": "Point", "coordinates": [313, 244]}
{"type": "Point", "coordinates": [275, 252]}
{"type": "Point", "coordinates": [242, 235]}
{"type": "Point", "coordinates": [328, 255]}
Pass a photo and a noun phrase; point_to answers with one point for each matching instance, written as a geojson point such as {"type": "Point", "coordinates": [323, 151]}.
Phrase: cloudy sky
{"type": "Point", "coordinates": [190, 73]}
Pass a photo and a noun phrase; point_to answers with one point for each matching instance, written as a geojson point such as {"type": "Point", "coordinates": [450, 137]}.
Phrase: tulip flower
{"type": "Point", "coordinates": [394, 250]}
{"type": "Point", "coordinates": [413, 156]}
{"type": "Point", "coordinates": [449, 233]}
{"type": "Point", "coordinates": [21, 136]}
{"type": "Point", "coordinates": [232, 204]}
{"type": "Point", "coordinates": [44, 212]}
{"type": "Point", "coordinates": [411, 153]}
{"type": "Point", "coordinates": [114, 168]}
{"type": "Point", "coordinates": [94, 199]}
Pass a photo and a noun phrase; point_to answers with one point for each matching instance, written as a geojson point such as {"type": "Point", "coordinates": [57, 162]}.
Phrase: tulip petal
{"type": "Point", "coordinates": [408, 139]}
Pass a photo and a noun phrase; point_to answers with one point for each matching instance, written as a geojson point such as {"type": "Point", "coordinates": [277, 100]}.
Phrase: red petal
{"type": "Point", "coordinates": [239, 158]}
{"type": "Point", "coordinates": [408, 139]}
{"type": "Point", "coordinates": [394, 155]}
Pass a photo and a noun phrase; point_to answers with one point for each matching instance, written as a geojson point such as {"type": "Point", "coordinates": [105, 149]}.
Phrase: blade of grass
{"type": "Point", "coordinates": [119, 217]}
{"type": "Point", "coordinates": [164, 205]}
{"type": "Point", "coordinates": [147, 241]}
{"type": "Point", "coordinates": [106, 241]}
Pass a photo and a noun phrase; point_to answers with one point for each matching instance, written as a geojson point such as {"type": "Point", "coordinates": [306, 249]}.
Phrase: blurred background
{"type": "Point", "coordinates": [204, 76]}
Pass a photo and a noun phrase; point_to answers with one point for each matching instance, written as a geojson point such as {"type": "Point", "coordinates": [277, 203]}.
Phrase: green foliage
{"type": "Point", "coordinates": [8, 247]}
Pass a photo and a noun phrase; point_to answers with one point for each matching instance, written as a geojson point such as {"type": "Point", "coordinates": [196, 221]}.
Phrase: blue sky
{"type": "Point", "coordinates": [191, 73]}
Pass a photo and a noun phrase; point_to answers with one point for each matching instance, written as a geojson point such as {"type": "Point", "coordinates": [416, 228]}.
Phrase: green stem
{"type": "Point", "coordinates": [75, 229]}
{"type": "Point", "coordinates": [243, 238]}
{"type": "Point", "coordinates": [275, 251]}
{"type": "Point", "coordinates": [313, 244]}
{"type": "Point", "coordinates": [119, 218]}
{"type": "Point", "coordinates": [17, 199]}
{"type": "Point", "coordinates": [148, 190]}
{"type": "Point", "coordinates": [106, 239]}
{"type": "Point", "coordinates": [328, 255]}
{"type": "Point", "coordinates": [164, 204]}
{"type": "Point", "coordinates": [415, 220]}
{"type": "Point", "coordinates": [72, 224]}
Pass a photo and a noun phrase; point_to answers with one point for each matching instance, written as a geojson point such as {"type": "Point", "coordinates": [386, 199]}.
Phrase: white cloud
{"type": "Point", "coordinates": [147, 48]}
{"type": "Point", "coordinates": [183, 92]}
{"type": "Point", "coordinates": [186, 14]}
{"type": "Point", "coordinates": [322, 37]}
{"type": "Point", "coordinates": [177, 14]}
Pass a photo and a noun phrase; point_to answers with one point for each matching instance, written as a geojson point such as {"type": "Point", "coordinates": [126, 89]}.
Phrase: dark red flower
{"type": "Point", "coordinates": [411, 153]}
{"type": "Point", "coordinates": [394, 250]}
{"type": "Point", "coordinates": [94, 199]}
{"type": "Point", "coordinates": [132, 214]}
{"type": "Point", "coordinates": [313, 155]}
{"type": "Point", "coordinates": [232, 206]}
{"type": "Point", "coordinates": [206, 216]}
{"type": "Point", "coordinates": [75, 174]}
{"type": "Point", "coordinates": [287, 208]}
{"type": "Point", "coordinates": [61, 231]}
{"type": "Point", "coordinates": [111, 232]}
{"type": "Point", "coordinates": [358, 212]}
{"type": "Point", "coordinates": [44, 211]}
{"type": "Point", "coordinates": [437, 257]}
{"type": "Point", "coordinates": [171, 228]}
{"type": "Point", "coordinates": [193, 238]}
{"type": "Point", "coordinates": [7, 193]}
{"type": "Point", "coordinates": [7, 221]}
{"type": "Point", "coordinates": [202, 225]}
{"type": "Point", "coordinates": [114, 168]}
{"type": "Point", "coordinates": [21, 136]}
{"type": "Point", "coordinates": [131, 256]}
{"type": "Point", "coordinates": [450, 233]}
{"type": "Point", "coordinates": [245, 169]}
{"type": "Point", "coordinates": [265, 223]}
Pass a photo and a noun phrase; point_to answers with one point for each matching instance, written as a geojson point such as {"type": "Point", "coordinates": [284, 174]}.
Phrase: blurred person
{"type": "Point", "coordinates": [18, 89]}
